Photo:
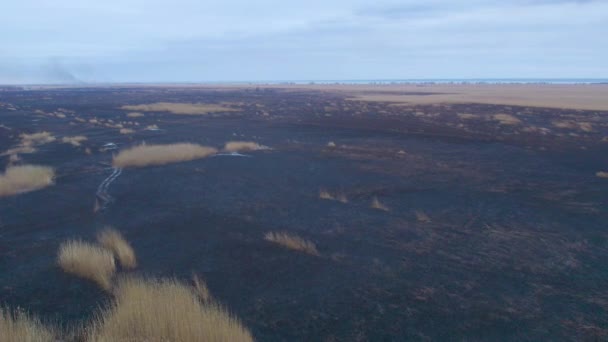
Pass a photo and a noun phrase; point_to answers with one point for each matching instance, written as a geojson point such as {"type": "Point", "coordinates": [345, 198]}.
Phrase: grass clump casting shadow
{"type": "Point", "coordinates": [292, 242]}
{"type": "Point", "coordinates": [146, 155]}
{"type": "Point", "coordinates": [113, 241]}
{"type": "Point", "coordinates": [20, 179]}
{"type": "Point", "coordinates": [17, 326]}
{"type": "Point", "coordinates": [87, 261]}
{"type": "Point", "coordinates": [163, 310]}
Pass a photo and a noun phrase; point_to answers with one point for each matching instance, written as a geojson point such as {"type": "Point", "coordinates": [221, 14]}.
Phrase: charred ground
{"type": "Point", "coordinates": [495, 227]}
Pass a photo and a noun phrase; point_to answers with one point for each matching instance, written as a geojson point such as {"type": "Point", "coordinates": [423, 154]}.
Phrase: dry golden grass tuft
{"type": "Point", "coordinates": [19, 150]}
{"type": "Point", "coordinates": [602, 174]}
{"type": "Point", "coordinates": [28, 141]}
{"type": "Point", "coordinates": [324, 194]}
{"type": "Point", "coordinates": [34, 139]}
{"type": "Point", "coordinates": [112, 240]}
{"type": "Point", "coordinates": [87, 261]}
{"type": "Point", "coordinates": [376, 204]}
{"type": "Point", "coordinates": [75, 141]}
{"type": "Point", "coordinates": [126, 131]}
{"type": "Point", "coordinates": [135, 115]}
{"type": "Point", "coordinates": [466, 116]}
{"type": "Point", "coordinates": [181, 108]}
{"type": "Point", "coordinates": [292, 242]}
{"type": "Point", "coordinates": [20, 179]}
{"type": "Point", "coordinates": [240, 146]}
{"type": "Point", "coordinates": [506, 119]}
{"type": "Point", "coordinates": [163, 310]}
{"type": "Point", "coordinates": [422, 216]}
{"type": "Point", "coordinates": [152, 127]}
{"type": "Point", "coordinates": [17, 326]}
{"type": "Point", "coordinates": [200, 288]}
{"type": "Point", "coordinates": [146, 155]}
{"type": "Point", "coordinates": [331, 144]}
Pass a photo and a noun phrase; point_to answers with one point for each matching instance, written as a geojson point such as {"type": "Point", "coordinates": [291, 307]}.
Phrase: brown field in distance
{"type": "Point", "coordinates": [571, 96]}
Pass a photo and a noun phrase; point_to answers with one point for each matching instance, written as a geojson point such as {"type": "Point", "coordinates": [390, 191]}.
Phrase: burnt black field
{"type": "Point", "coordinates": [514, 248]}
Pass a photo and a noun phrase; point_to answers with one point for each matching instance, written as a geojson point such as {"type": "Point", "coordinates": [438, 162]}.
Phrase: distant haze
{"type": "Point", "coordinates": [70, 41]}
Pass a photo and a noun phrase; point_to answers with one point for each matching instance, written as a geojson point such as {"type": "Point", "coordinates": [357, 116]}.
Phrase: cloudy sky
{"type": "Point", "coordinates": [242, 40]}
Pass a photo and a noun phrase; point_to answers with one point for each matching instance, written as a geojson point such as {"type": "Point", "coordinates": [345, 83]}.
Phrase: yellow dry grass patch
{"type": "Point", "coordinates": [376, 204]}
{"type": "Point", "coordinates": [200, 288]}
{"type": "Point", "coordinates": [87, 261]}
{"type": "Point", "coordinates": [422, 216]}
{"type": "Point", "coordinates": [326, 195]}
{"type": "Point", "coordinates": [17, 326]}
{"type": "Point", "coordinates": [28, 141]}
{"type": "Point", "coordinates": [19, 150]}
{"type": "Point", "coordinates": [506, 119]}
{"type": "Point", "coordinates": [75, 141]}
{"type": "Point", "coordinates": [135, 115]}
{"type": "Point", "coordinates": [146, 155]}
{"type": "Point", "coordinates": [20, 179]}
{"type": "Point", "coordinates": [126, 131]}
{"type": "Point", "coordinates": [293, 242]}
{"type": "Point", "coordinates": [602, 174]}
{"type": "Point", "coordinates": [467, 116]}
{"type": "Point", "coordinates": [112, 240]}
{"type": "Point", "coordinates": [239, 146]}
{"type": "Point", "coordinates": [164, 310]}
{"type": "Point", "coordinates": [181, 108]}
{"type": "Point", "coordinates": [34, 139]}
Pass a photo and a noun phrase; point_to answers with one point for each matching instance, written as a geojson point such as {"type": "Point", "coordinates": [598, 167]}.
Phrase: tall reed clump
{"type": "Point", "coordinates": [163, 310]}
{"type": "Point", "coordinates": [87, 261]}
{"type": "Point", "coordinates": [17, 326]}
{"type": "Point", "coordinates": [112, 240]}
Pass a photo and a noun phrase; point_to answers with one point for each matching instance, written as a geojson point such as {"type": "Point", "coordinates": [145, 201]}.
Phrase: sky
{"type": "Point", "coordinates": [68, 41]}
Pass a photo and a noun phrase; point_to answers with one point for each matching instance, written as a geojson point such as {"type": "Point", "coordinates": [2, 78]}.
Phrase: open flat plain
{"type": "Point", "coordinates": [444, 212]}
